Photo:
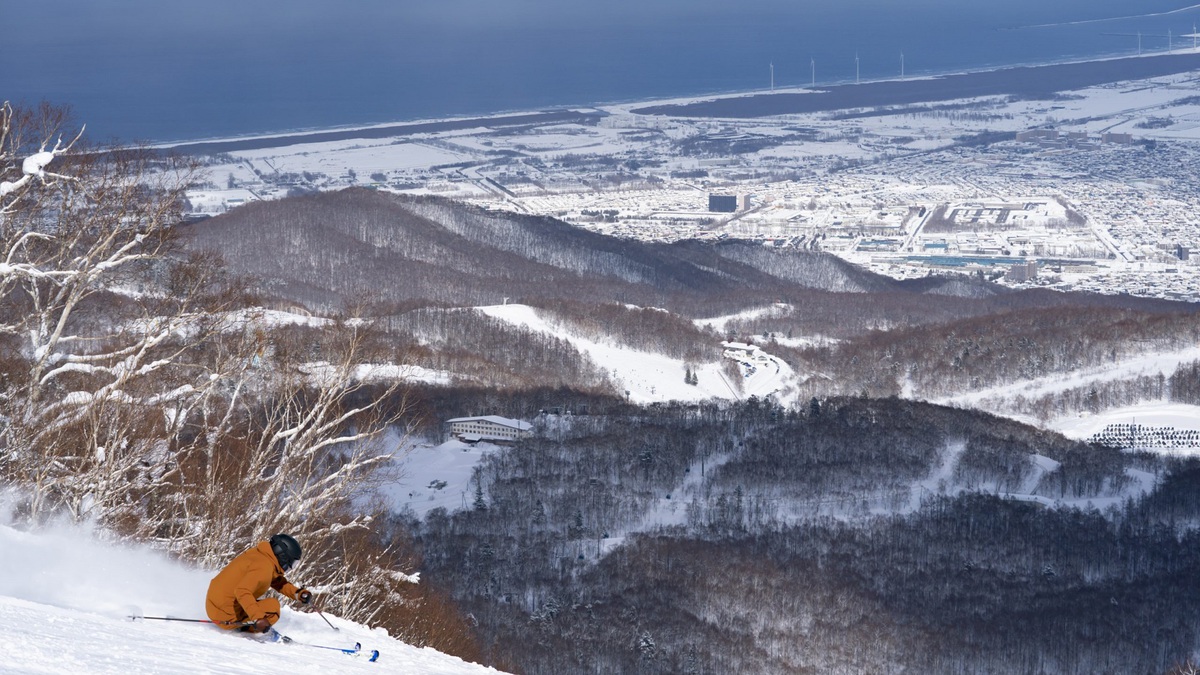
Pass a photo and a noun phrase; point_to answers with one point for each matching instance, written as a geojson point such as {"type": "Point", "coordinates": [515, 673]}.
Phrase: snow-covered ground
{"type": "Point", "coordinates": [647, 377]}
{"type": "Point", "coordinates": [66, 595]}
{"type": "Point", "coordinates": [1152, 413]}
{"type": "Point", "coordinates": [436, 476]}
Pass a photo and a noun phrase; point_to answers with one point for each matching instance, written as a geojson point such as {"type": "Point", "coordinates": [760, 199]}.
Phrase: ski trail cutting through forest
{"type": "Point", "coordinates": [1145, 365]}
{"type": "Point", "coordinates": [673, 507]}
{"type": "Point", "coordinates": [938, 481]}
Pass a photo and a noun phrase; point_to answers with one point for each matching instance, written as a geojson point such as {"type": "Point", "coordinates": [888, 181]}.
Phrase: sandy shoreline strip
{"type": "Point", "coordinates": [1037, 81]}
{"type": "Point", "coordinates": [381, 131]}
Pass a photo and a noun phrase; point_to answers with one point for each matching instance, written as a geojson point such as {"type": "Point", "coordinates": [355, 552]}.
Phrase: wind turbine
{"type": "Point", "coordinates": [902, 65]}
{"type": "Point", "coordinates": [813, 62]}
{"type": "Point", "coordinates": [772, 77]}
{"type": "Point", "coordinates": [855, 67]}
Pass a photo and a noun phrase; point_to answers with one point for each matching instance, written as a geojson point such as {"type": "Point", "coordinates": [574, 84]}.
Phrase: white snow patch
{"type": "Point", "coordinates": [1154, 414]}
{"type": "Point", "coordinates": [720, 323]}
{"type": "Point", "coordinates": [437, 476]}
{"type": "Point", "coordinates": [647, 377]}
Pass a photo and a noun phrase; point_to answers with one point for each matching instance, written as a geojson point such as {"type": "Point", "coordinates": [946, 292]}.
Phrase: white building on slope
{"type": "Point", "coordinates": [488, 428]}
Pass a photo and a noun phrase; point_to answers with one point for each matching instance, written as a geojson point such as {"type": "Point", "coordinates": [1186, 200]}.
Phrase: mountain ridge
{"type": "Point", "coordinates": [455, 254]}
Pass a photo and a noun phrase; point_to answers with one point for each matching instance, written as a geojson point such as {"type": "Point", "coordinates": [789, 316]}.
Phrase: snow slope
{"type": "Point", "coordinates": [649, 377]}
{"type": "Point", "coordinates": [436, 476]}
{"type": "Point", "coordinates": [646, 376]}
{"type": "Point", "coordinates": [65, 598]}
{"type": "Point", "coordinates": [1149, 364]}
{"type": "Point", "coordinates": [1150, 413]}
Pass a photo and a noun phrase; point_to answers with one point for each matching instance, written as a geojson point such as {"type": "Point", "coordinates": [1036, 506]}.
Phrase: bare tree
{"type": "Point", "coordinates": [140, 388]}
{"type": "Point", "coordinates": [293, 442]}
{"type": "Point", "coordinates": [88, 348]}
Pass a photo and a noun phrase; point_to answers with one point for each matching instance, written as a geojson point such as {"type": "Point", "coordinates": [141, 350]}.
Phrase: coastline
{"type": "Point", "coordinates": [1022, 81]}
{"type": "Point", "coordinates": [1030, 81]}
{"type": "Point", "coordinates": [215, 147]}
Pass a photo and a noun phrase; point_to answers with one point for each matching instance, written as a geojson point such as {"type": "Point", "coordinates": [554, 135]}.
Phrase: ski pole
{"type": "Point", "coordinates": [326, 620]}
{"type": "Point", "coordinates": [322, 615]}
{"type": "Point", "coordinates": [172, 618]}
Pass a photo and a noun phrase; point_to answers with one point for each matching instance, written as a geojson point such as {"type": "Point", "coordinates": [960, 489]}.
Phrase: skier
{"type": "Point", "coordinates": [235, 594]}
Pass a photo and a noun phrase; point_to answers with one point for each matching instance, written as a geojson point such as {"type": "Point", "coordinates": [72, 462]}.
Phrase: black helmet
{"type": "Point", "coordinates": [287, 551]}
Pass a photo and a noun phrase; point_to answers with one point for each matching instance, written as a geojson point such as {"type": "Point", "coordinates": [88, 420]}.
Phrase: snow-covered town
{"type": "Point", "coordinates": [1093, 189]}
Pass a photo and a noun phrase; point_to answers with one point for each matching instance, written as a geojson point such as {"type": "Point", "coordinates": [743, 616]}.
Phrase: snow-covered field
{"type": "Point", "coordinates": [66, 595]}
{"type": "Point", "coordinates": [1150, 414]}
{"type": "Point", "coordinates": [436, 476]}
{"type": "Point", "coordinates": [647, 377]}
{"type": "Point", "coordinates": [362, 156]}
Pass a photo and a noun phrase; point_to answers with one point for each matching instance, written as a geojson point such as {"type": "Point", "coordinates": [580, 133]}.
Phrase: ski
{"type": "Point", "coordinates": [270, 636]}
{"type": "Point", "coordinates": [356, 651]}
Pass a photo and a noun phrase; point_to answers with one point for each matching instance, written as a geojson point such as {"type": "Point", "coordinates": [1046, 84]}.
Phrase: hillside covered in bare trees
{"type": "Point", "coordinates": [419, 264]}
{"type": "Point", "coordinates": [839, 527]}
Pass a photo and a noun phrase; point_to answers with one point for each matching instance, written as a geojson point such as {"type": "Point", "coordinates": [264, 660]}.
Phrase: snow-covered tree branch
{"type": "Point", "coordinates": [140, 387]}
{"type": "Point", "coordinates": [293, 445]}
{"type": "Point", "coordinates": [100, 318]}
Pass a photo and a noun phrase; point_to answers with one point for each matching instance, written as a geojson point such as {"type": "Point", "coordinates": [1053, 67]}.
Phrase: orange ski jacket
{"type": "Point", "coordinates": [233, 595]}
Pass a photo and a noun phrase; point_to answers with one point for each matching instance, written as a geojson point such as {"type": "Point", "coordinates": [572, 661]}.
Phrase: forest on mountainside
{"type": "Point", "coordinates": [323, 251]}
{"type": "Point", "coordinates": [357, 246]}
{"type": "Point", "coordinates": [986, 351]}
{"type": "Point", "coordinates": [927, 361]}
{"type": "Point", "coordinates": [708, 539]}
{"type": "Point", "coordinates": [748, 537]}
{"type": "Point", "coordinates": [418, 262]}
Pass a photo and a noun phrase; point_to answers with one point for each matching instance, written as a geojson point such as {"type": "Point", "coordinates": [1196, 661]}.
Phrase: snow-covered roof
{"type": "Point", "coordinates": [741, 346]}
{"type": "Point", "coordinates": [495, 419]}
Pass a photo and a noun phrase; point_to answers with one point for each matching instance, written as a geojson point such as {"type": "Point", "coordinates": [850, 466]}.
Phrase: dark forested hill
{"type": "Point", "coordinates": [325, 250]}
{"type": "Point", "coordinates": [416, 261]}
{"type": "Point", "coordinates": [754, 539]}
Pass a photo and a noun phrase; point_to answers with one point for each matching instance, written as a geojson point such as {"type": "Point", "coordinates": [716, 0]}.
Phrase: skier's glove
{"type": "Point", "coordinates": [262, 626]}
{"type": "Point", "coordinates": [304, 596]}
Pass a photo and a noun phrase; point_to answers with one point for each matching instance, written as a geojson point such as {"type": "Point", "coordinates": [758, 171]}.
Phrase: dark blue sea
{"type": "Point", "coordinates": [162, 70]}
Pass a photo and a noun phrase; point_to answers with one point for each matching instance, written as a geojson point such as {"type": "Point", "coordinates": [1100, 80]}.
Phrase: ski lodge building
{"type": "Point", "coordinates": [488, 428]}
